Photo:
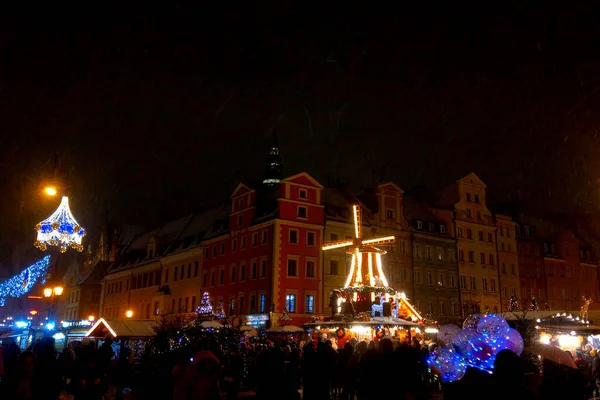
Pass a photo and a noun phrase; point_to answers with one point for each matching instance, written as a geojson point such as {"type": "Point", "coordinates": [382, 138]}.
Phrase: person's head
{"type": "Point", "coordinates": [362, 346]}
{"type": "Point", "coordinates": [508, 367]}
{"type": "Point", "coordinates": [26, 361]}
{"type": "Point", "coordinates": [386, 346]}
{"type": "Point", "coordinates": [348, 348]}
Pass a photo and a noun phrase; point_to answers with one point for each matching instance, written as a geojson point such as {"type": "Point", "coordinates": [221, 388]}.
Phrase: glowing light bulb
{"type": "Point", "coordinates": [129, 314]}
{"type": "Point", "coordinates": [58, 290]}
{"type": "Point", "coordinates": [47, 292]}
{"type": "Point", "coordinates": [50, 191]}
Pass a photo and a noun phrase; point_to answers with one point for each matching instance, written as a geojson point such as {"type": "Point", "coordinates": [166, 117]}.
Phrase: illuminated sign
{"type": "Point", "coordinates": [258, 321]}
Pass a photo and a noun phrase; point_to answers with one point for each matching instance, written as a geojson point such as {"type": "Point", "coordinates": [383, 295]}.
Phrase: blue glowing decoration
{"type": "Point", "coordinates": [448, 362]}
{"type": "Point", "coordinates": [50, 326]}
{"type": "Point", "coordinates": [60, 230]}
{"type": "Point", "coordinates": [476, 345]}
{"type": "Point", "coordinates": [22, 283]}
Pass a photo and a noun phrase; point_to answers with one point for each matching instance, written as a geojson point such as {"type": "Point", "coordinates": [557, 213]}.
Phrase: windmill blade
{"type": "Point", "coordinates": [379, 241]}
{"type": "Point", "coordinates": [357, 221]}
{"type": "Point", "coordinates": [337, 244]}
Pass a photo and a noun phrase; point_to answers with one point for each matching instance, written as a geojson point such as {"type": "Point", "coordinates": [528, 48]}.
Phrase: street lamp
{"type": "Point", "coordinates": [50, 191]}
{"type": "Point", "coordinates": [91, 318]}
{"type": "Point", "coordinates": [51, 293]}
{"type": "Point", "coordinates": [129, 314]}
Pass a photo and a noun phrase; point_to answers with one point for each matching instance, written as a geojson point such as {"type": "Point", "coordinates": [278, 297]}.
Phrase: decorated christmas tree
{"type": "Point", "coordinates": [205, 310]}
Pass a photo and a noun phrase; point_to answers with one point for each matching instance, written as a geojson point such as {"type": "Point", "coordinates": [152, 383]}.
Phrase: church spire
{"type": "Point", "coordinates": [274, 167]}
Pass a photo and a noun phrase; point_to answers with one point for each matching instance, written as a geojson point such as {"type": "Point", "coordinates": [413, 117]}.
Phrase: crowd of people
{"type": "Point", "coordinates": [281, 369]}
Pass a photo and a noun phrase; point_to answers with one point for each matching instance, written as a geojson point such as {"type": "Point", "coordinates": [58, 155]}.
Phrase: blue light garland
{"type": "Point", "coordinates": [60, 229]}
{"type": "Point", "coordinates": [22, 283]}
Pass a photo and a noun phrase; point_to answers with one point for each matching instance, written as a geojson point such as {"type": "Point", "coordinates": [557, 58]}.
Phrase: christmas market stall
{"type": "Point", "coordinates": [124, 333]}
{"type": "Point", "coordinates": [366, 308]}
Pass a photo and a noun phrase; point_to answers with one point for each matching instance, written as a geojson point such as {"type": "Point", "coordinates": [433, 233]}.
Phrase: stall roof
{"type": "Point", "coordinates": [122, 328]}
{"type": "Point", "coordinates": [387, 322]}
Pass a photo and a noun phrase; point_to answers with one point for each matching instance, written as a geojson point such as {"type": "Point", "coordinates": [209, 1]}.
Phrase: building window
{"type": "Point", "coordinates": [490, 238]}
{"type": "Point", "coordinates": [430, 227]}
{"type": "Point", "coordinates": [478, 213]}
{"type": "Point", "coordinates": [310, 238]}
{"type": "Point", "coordinates": [231, 306]}
{"type": "Point", "coordinates": [418, 277]}
{"type": "Point", "coordinates": [404, 275]}
{"type": "Point", "coordinates": [206, 253]}
{"type": "Point", "coordinates": [263, 268]}
{"type": "Point", "coordinates": [233, 245]}
{"type": "Point", "coordinates": [233, 274]}
{"type": "Point", "coordinates": [526, 230]}
{"type": "Point", "coordinates": [302, 194]}
{"type": "Point", "coordinates": [333, 237]}
{"type": "Point", "coordinates": [293, 236]}
{"type": "Point", "coordinates": [442, 308]}
{"type": "Point", "coordinates": [302, 213]}
{"type": "Point", "coordinates": [463, 282]}
{"type": "Point", "coordinates": [430, 307]}
{"type": "Point", "coordinates": [310, 269]}
{"type": "Point", "coordinates": [452, 281]}
{"type": "Point", "coordinates": [507, 232]}
{"type": "Point", "coordinates": [469, 234]}
{"type": "Point", "coordinates": [252, 304]}
{"type": "Point", "coordinates": [182, 272]}
{"type": "Point", "coordinates": [175, 275]}
{"type": "Point", "coordinates": [212, 278]}
{"type": "Point", "coordinates": [243, 245]}
{"type": "Point", "coordinates": [254, 239]}
{"type": "Point", "coordinates": [503, 269]}
{"type": "Point", "coordinates": [292, 267]}
{"type": "Point", "coordinates": [473, 283]}
{"type": "Point", "coordinates": [254, 270]}
{"type": "Point", "coordinates": [419, 224]}
{"type": "Point", "coordinates": [429, 279]}
{"type": "Point", "coordinates": [243, 272]}
{"type": "Point", "coordinates": [389, 214]}
{"type": "Point", "coordinates": [538, 273]}
{"type": "Point", "coordinates": [440, 255]}
{"type": "Point", "coordinates": [222, 249]}
{"type": "Point", "coordinates": [428, 252]}
{"type": "Point", "coordinates": [214, 251]}
{"type": "Point", "coordinates": [512, 269]}
{"type": "Point", "coordinates": [196, 269]}
{"type": "Point", "coordinates": [262, 303]}
{"type": "Point", "coordinates": [186, 304]}
{"type": "Point", "coordinates": [166, 275]}
{"type": "Point", "coordinates": [416, 251]}
{"type": "Point", "coordinates": [221, 277]}
{"type": "Point", "coordinates": [468, 196]}
{"type": "Point", "coordinates": [468, 212]}
{"type": "Point", "coordinates": [453, 308]}
{"type": "Point", "coordinates": [310, 304]}
{"type": "Point", "coordinates": [402, 246]}
{"type": "Point", "coordinates": [264, 237]}
{"type": "Point", "coordinates": [484, 284]}
{"type": "Point", "coordinates": [491, 257]}
{"type": "Point", "coordinates": [461, 255]}
{"type": "Point", "coordinates": [476, 198]}
{"type": "Point", "coordinates": [193, 309]}
{"type": "Point", "coordinates": [513, 291]}
{"type": "Point", "coordinates": [481, 236]}
{"type": "Point", "coordinates": [518, 229]}
{"type": "Point", "coordinates": [504, 291]}
{"type": "Point", "coordinates": [290, 302]}
{"type": "Point", "coordinates": [334, 267]}
{"type": "Point", "coordinates": [173, 305]}
{"type": "Point", "coordinates": [471, 256]}
{"type": "Point", "coordinates": [189, 274]}
{"type": "Point", "coordinates": [240, 220]}
{"type": "Point", "coordinates": [440, 279]}
{"type": "Point", "coordinates": [459, 231]}
{"type": "Point", "coordinates": [442, 229]}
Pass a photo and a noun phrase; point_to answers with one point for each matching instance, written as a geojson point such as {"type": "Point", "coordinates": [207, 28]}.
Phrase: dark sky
{"type": "Point", "coordinates": [155, 112]}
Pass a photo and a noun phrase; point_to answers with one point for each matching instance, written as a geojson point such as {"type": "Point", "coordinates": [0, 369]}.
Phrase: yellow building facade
{"type": "Point", "coordinates": [508, 260]}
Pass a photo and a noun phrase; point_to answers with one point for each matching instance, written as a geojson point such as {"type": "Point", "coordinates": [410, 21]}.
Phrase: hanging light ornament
{"type": "Point", "coordinates": [60, 230]}
{"type": "Point", "coordinates": [23, 282]}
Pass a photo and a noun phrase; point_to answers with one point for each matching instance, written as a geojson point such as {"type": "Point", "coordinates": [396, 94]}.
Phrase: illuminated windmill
{"type": "Point", "coordinates": [364, 254]}
{"type": "Point", "coordinates": [60, 230]}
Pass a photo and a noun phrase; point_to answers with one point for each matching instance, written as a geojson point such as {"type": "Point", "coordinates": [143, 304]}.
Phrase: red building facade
{"type": "Point", "coordinates": [531, 265]}
{"type": "Point", "coordinates": [266, 257]}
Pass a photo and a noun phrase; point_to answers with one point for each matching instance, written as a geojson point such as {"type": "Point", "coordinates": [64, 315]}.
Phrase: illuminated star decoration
{"type": "Point", "coordinates": [22, 283]}
{"type": "Point", "coordinates": [358, 247]}
{"type": "Point", "coordinates": [60, 229]}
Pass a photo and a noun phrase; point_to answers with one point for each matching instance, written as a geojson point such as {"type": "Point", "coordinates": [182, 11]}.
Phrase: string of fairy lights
{"type": "Point", "coordinates": [24, 281]}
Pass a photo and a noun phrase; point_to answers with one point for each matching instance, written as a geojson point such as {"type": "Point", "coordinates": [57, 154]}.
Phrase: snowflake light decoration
{"type": "Point", "coordinates": [60, 229]}
{"type": "Point", "coordinates": [22, 283]}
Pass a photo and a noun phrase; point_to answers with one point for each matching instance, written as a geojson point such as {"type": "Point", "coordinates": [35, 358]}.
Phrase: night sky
{"type": "Point", "coordinates": [157, 112]}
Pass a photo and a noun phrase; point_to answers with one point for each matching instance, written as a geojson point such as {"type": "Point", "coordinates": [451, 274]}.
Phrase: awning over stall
{"type": "Point", "coordinates": [122, 328]}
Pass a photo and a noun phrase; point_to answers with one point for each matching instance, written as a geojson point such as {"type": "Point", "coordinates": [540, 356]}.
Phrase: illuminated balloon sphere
{"type": "Point", "coordinates": [480, 353]}
{"type": "Point", "coordinates": [448, 362]}
{"type": "Point", "coordinates": [516, 339]}
{"type": "Point", "coordinates": [447, 333]}
{"type": "Point", "coordinates": [492, 324]}
{"type": "Point", "coordinates": [472, 321]}
{"type": "Point", "coordinates": [462, 339]}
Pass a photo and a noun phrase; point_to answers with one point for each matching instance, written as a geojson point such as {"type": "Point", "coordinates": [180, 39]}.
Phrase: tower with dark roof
{"type": "Point", "coordinates": [274, 167]}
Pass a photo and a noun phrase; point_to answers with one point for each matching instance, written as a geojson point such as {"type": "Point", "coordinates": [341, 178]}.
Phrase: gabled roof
{"type": "Point", "coordinates": [390, 186]}
{"type": "Point", "coordinates": [304, 179]}
{"type": "Point", "coordinates": [240, 190]}
{"type": "Point", "coordinates": [414, 210]}
{"type": "Point", "coordinates": [122, 328]}
{"type": "Point", "coordinates": [472, 179]}
{"type": "Point", "coordinates": [196, 229]}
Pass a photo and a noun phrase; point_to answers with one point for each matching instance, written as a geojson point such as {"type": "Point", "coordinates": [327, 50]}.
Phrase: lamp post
{"type": "Point", "coordinates": [51, 293]}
